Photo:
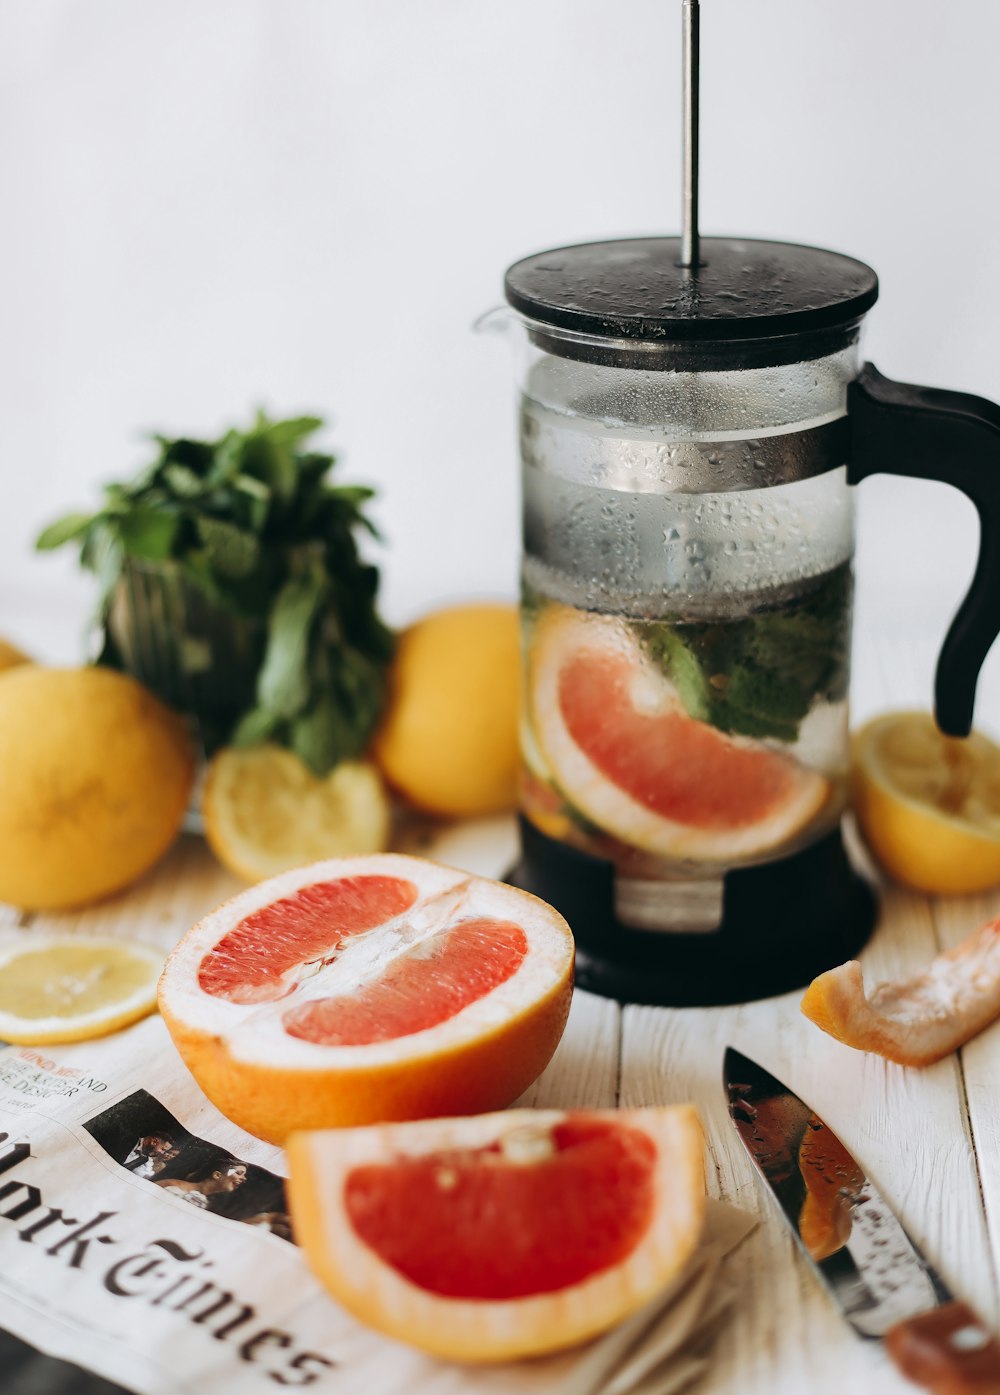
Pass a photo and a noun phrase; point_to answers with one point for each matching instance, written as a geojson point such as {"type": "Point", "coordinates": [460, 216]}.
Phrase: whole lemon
{"type": "Point", "coordinates": [94, 780]}
{"type": "Point", "coordinates": [449, 739]}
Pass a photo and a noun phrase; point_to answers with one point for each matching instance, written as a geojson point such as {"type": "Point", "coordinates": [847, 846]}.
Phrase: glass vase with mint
{"type": "Point", "coordinates": [231, 583]}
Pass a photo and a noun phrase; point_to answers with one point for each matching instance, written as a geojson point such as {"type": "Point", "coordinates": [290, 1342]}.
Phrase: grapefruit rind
{"type": "Point", "coordinates": [562, 634]}
{"type": "Point", "coordinates": [480, 1330]}
{"type": "Point", "coordinates": [482, 1058]}
{"type": "Point", "coordinates": [918, 1020]}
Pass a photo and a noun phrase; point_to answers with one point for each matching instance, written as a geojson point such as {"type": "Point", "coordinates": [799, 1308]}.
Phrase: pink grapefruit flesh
{"type": "Point", "coordinates": [369, 988]}
{"type": "Point", "coordinates": [256, 962]}
{"type": "Point", "coordinates": [445, 1221]}
{"type": "Point", "coordinates": [623, 750]}
{"type": "Point", "coordinates": [503, 1235]}
{"type": "Point", "coordinates": [418, 990]}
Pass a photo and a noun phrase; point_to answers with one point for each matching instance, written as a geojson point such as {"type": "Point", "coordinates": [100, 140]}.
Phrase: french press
{"type": "Point", "coordinates": [694, 415]}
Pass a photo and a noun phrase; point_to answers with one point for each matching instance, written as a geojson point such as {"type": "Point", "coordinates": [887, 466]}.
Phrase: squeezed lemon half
{"type": "Point", "coordinates": [265, 811]}
{"type": "Point", "coordinates": [928, 804]}
{"type": "Point", "coordinates": [70, 988]}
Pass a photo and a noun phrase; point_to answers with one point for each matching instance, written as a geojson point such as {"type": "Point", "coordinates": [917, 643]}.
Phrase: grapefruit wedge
{"type": "Point", "coordinates": [366, 989]}
{"type": "Point", "coordinates": [623, 749]}
{"type": "Point", "coordinates": [503, 1236]}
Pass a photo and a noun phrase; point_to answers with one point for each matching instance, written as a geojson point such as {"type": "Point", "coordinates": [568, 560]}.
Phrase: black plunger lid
{"type": "Point", "coordinates": [749, 303]}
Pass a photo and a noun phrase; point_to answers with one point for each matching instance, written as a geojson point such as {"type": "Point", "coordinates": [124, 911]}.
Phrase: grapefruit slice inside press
{"type": "Point", "coordinates": [366, 989]}
{"type": "Point", "coordinates": [623, 749]}
{"type": "Point", "coordinates": [502, 1236]}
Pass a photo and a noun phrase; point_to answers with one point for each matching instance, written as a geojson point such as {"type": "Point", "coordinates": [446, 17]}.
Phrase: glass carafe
{"type": "Point", "coordinates": [687, 450]}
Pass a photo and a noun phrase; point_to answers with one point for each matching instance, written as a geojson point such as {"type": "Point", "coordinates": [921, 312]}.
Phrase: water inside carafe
{"type": "Point", "coordinates": [686, 653]}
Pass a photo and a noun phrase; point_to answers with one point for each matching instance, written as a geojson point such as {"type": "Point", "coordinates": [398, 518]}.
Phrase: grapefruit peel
{"type": "Point", "coordinates": [918, 1020]}
{"type": "Point", "coordinates": [257, 994]}
{"type": "Point", "coordinates": [510, 1245]}
{"type": "Point", "coordinates": [647, 756]}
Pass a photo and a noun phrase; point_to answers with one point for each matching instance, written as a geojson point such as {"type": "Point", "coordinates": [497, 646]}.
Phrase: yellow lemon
{"type": "Point", "coordinates": [266, 812]}
{"type": "Point", "coordinates": [70, 988]}
{"type": "Point", "coordinates": [928, 804]}
{"type": "Point", "coordinates": [94, 780]}
{"type": "Point", "coordinates": [11, 656]}
{"type": "Point", "coordinates": [449, 739]}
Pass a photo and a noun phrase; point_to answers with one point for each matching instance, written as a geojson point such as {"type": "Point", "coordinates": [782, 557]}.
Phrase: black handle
{"type": "Point", "coordinates": [931, 434]}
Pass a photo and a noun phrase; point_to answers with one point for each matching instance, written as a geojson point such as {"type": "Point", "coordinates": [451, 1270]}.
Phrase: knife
{"type": "Point", "coordinates": [876, 1275]}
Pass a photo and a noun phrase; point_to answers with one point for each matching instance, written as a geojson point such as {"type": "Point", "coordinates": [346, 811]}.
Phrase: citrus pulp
{"type": "Point", "coordinates": [505, 1235]}
{"type": "Point", "coordinates": [365, 989]}
{"type": "Point", "coordinates": [621, 747]}
{"type": "Point", "coordinates": [928, 804]}
{"type": "Point", "coordinates": [71, 988]}
{"type": "Point", "coordinates": [265, 811]}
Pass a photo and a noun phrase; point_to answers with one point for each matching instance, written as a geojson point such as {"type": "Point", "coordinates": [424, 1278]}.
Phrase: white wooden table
{"type": "Point", "coordinates": [930, 1139]}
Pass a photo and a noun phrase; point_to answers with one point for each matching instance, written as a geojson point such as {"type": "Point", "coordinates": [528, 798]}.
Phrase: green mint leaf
{"type": "Point", "coordinates": [672, 656]}
{"type": "Point", "coordinates": [231, 551]}
{"type": "Point", "coordinates": [321, 737]}
{"type": "Point", "coordinates": [283, 685]}
{"type": "Point", "coordinates": [253, 501]}
{"type": "Point", "coordinates": [254, 727]}
{"type": "Point", "coordinates": [64, 530]}
{"type": "Point", "coordinates": [148, 533]}
{"type": "Point", "coordinates": [182, 481]}
{"type": "Point", "coordinates": [759, 675]}
{"type": "Point", "coordinates": [289, 432]}
{"type": "Point", "coordinates": [272, 463]}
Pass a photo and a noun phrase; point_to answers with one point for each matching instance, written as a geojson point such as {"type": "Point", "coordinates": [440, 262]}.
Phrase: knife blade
{"type": "Point", "coordinates": [875, 1273]}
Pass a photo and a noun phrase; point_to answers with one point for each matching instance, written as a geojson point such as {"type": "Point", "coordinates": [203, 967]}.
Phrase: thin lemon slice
{"type": "Point", "coordinates": [266, 812]}
{"type": "Point", "coordinates": [928, 804]}
{"type": "Point", "coordinates": [71, 988]}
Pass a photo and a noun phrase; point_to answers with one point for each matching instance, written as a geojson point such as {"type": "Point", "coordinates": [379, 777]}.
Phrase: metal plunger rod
{"type": "Point", "coordinates": [689, 230]}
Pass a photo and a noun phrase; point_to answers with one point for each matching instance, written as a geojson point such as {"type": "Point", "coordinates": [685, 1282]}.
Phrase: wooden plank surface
{"type": "Point", "coordinates": [930, 1139]}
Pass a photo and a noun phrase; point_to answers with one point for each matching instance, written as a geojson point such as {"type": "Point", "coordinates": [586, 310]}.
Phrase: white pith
{"type": "Point", "coordinates": [254, 1033]}
{"type": "Point", "coordinates": [472, 1328]}
{"type": "Point", "coordinates": [563, 635]}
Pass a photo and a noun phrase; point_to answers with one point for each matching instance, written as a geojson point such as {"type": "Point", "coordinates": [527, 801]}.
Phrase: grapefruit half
{"type": "Point", "coordinates": [622, 748]}
{"type": "Point", "coordinates": [365, 989]}
{"type": "Point", "coordinates": [503, 1236]}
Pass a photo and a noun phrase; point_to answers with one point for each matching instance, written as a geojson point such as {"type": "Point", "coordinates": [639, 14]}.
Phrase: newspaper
{"type": "Point", "coordinates": [145, 1237]}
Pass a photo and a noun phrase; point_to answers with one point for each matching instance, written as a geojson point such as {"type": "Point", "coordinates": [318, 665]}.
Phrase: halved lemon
{"type": "Point", "coordinates": [68, 988]}
{"type": "Point", "coordinates": [928, 804]}
{"type": "Point", "coordinates": [266, 812]}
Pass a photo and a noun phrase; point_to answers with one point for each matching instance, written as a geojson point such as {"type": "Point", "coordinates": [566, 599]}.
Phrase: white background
{"type": "Point", "coordinates": [210, 204]}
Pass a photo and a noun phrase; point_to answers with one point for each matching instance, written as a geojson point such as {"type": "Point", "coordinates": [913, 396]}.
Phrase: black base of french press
{"type": "Point", "coordinates": [783, 923]}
